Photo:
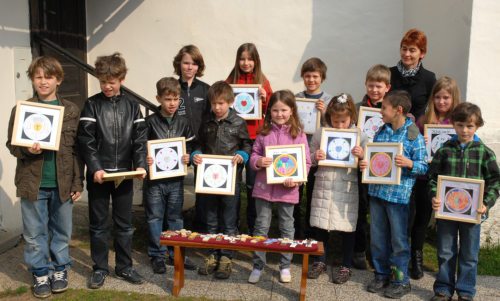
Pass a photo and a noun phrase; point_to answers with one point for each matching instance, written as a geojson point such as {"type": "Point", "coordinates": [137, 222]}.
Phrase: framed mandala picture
{"type": "Point", "coordinates": [247, 103]}
{"type": "Point", "coordinates": [437, 135]}
{"type": "Point", "coordinates": [167, 158]}
{"type": "Point", "coordinates": [37, 122]}
{"type": "Point", "coordinates": [337, 144]}
{"type": "Point", "coordinates": [460, 199]}
{"type": "Point", "coordinates": [382, 167]}
{"type": "Point", "coordinates": [369, 121]}
{"type": "Point", "coordinates": [216, 175]}
{"type": "Point", "coordinates": [308, 114]}
{"type": "Point", "coordinates": [288, 161]}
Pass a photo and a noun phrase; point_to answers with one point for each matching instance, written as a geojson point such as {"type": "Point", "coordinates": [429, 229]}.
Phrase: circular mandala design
{"type": "Point", "coordinates": [372, 125]}
{"type": "Point", "coordinates": [338, 149]}
{"type": "Point", "coordinates": [37, 127]}
{"type": "Point", "coordinates": [244, 103]}
{"type": "Point", "coordinates": [380, 164]}
{"type": "Point", "coordinates": [438, 141]}
{"type": "Point", "coordinates": [285, 165]}
{"type": "Point", "coordinates": [166, 159]}
{"type": "Point", "coordinates": [215, 176]}
{"type": "Point", "coordinates": [458, 200]}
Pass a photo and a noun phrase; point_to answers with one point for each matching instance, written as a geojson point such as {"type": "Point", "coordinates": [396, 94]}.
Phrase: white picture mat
{"type": "Point", "coordinates": [434, 141]}
{"type": "Point", "coordinates": [366, 114]}
{"type": "Point", "coordinates": [354, 137]}
{"type": "Point", "coordinates": [309, 116]}
{"type": "Point", "coordinates": [230, 180]}
{"type": "Point", "coordinates": [155, 171]}
{"type": "Point", "coordinates": [299, 151]}
{"type": "Point", "coordinates": [28, 108]}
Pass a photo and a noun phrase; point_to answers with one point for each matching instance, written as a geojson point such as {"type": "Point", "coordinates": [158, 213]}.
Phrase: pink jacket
{"type": "Point", "coordinates": [279, 135]}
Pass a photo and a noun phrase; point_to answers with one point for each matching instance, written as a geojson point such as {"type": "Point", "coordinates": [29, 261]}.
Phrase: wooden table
{"type": "Point", "coordinates": [179, 255]}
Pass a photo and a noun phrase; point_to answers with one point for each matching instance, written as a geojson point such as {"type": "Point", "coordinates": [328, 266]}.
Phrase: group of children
{"type": "Point", "coordinates": [111, 136]}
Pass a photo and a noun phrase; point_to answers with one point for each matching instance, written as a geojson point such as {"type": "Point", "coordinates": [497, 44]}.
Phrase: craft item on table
{"type": "Point", "coordinates": [193, 235]}
{"type": "Point", "coordinates": [184, 233]}
{"type": "Point", "coordinates": [310, 243]}
{"type": "Point", "coordinates": [257, 239]}
{"type": "Point", "coordinates": [285, 241]}
{"type": "Point", "coordinates": [244, 237]}
{"type": "Point", "coordinates": [219, 237]}
{"type": "Point", "coordinates": [270, 241]}
{"type": "Point", "coordinates": [293, 244]}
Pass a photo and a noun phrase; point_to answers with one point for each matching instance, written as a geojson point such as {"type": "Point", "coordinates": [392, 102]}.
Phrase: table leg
{"type": "Point", "coordinates": [303, 279]}
{"type": "Point", "coordinates": [178, 270]}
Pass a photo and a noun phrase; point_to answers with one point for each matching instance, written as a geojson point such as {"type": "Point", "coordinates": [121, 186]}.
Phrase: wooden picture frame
{"type": "Point", "coordinates": [338, 144]}
{"type": "Point", "coordinates": [460, 199]}
{"type": "Point", "coordinates": [289, 161]}
{"type": "Point", "coordinates": [119, 177]}
{"type": "Point", "coordinates": [216, 175]}
{"type": "Point", "coordinates": [37, 122]}
{"type": "Point", "coordinates": [167, 158]}
{"type": "Point", "coordinates": [437, 135]}
{"type": "Point", "coordinates": [247, 103]}
{"type": "Point", "coordinates": [369, 121]}
{"type": "Point", "coordinates": [382, 167]}
{"type": "Point", "coordinates": [309, 116]}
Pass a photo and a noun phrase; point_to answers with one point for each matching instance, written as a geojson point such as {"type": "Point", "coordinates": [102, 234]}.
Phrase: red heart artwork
{"type": "Point", "coordinates": [244, 103]}
{"type": "Point", "coordinates": [215, 176]}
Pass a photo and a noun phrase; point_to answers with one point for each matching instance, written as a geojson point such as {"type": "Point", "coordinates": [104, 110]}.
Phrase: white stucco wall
{"type": "Point", "coordinates": [14, 33]}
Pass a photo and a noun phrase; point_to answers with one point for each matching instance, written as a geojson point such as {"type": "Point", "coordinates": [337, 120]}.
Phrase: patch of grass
{"type": "Point", "coordinates": [9, 293]}
{"type": "Point", "coordinates": [430, 257]}
{"type": "Point", "coordinates": [489, 261]}
{"type": "Point", "coordinates": [108, 295]}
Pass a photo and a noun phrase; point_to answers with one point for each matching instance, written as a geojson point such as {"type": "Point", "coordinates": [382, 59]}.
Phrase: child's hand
{"type": "Point", "coordinates": [75, 196]}
{"type": "Point", "coordinates": [262, 93]}
{"type": "Point", "coordinates": [185, 158]}
{"type": "Point", "coordinates": [402, 161]}
{"type": "Point", "coordinates": [149, 160]}
{"type": "Point", "coordinates": [264, 162]}
{"type": "Point", "coordinates": [320, 155]}
{"type": "Point", "coordinates": [482, 209]}
{"type": "Point", "coordinates": [142, 176]}
{"type": "Point", "coordinates": [362, 164]}
{"type": "Point", "coordinates": [290, 183]}
{"type": "Point", "coordinates": [35, 149]}
{"type": "Point", "coordinates": [197, 159]}
{"type": "Point", "coordinates": [237, 159]}
{"type": "Point", "coordinates": [436, 203]}
{"type": "Point", "coordinates": [98, 176]}
{"type": "Point", "coordinates": [426, 139]}
{"type": "Point", "coordinates": [358, 151]}
{"type": "Point", "coordinates": [320, 106]}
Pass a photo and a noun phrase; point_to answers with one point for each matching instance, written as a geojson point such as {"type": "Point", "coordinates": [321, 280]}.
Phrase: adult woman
{"type": "Point", "coordinates": [410, 75]}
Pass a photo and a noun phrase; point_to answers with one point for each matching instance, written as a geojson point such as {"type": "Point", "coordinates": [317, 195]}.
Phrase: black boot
{"type": "Point", "coordinates": [417, 261]}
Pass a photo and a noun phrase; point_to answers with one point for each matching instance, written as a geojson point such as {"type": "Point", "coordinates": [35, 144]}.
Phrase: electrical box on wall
{"type": "Point", "coordinates": [22, 60]}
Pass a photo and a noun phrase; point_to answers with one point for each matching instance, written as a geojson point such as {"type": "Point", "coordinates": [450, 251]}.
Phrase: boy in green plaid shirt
{"type": "Point", "coordinates": [467, 157]}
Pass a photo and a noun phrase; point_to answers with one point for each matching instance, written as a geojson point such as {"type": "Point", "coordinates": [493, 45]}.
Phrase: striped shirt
{"type": "Point", "coordinates": [412, 149]}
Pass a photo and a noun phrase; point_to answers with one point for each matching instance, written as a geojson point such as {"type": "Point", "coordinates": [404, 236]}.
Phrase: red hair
{"type": "Point", "coordinates": [415, 37]}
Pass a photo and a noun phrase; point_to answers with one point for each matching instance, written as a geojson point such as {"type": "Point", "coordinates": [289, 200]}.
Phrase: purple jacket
{"type": "Point", "coordinates": [279, 135]}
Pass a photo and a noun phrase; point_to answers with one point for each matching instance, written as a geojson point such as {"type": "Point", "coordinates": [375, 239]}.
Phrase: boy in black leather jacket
{"type": "Point", "coordinates": [112, 138]}
{"type": "Point", "coordinates": [164, 198]}
{"type": "Point", "coordinates": [223, 132]}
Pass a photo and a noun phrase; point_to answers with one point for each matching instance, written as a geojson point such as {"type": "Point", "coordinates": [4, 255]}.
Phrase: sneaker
{"type": "Point", "coordinates": [41, 286]}
{"type": "Point", "coordinates": [343, 274]}
{"type": "Point", "coordinates": [254, 276]}
{"type": "Point", "coordinates": [359, 261]}
{"type": "Point", "coordinates": [59, 281]}
{"type": "Point", "coordinates": [397, 290]}
{"type": "Point", "coordinates": [130, 275]}
{"type": "Point", "coordinates": [188, 263]}
{"type": "Point", "coordinates": [465, 298]}
{"type": "Point", "coordinates": [285, 276]}
{"type": "Point", "coordinates": [317, 269]}
{"type": "Point", "coordinates": [377, 285]}
{"type": "Point", "coordinates": [97, 279]}
{"type": "Point", "coordinates": [440, 297]}
{"type": "Point", "coordinates": [225, 268]}
{"type": "Point", "coordinates": [158, 265]}
{"type": "Point", "coordinates": [209, 266]}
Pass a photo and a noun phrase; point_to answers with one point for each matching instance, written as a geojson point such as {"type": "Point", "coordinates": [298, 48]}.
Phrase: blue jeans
{"type": "Point", "coordinates": [163, 200]}
{"type": "Point", "coordinates": [221, 213]}
{"type": "Point", "coordinates": [262, 224]}
{"type": "Point", "coordinates": [389, 239]}
{"type": "Point", "coordinates": [448, 251]}
{"type": "Point", "coordinates": [47, 225]}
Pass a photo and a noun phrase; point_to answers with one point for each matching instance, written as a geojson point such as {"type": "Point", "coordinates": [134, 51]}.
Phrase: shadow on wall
{"type": "Point", "coordinates": [350, 38]}
{"type": "Point", "coordinates": [112, 14]}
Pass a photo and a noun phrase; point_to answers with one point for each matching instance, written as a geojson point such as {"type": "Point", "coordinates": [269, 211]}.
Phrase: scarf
{"type": "Point", "coordinates": [408, 72]}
